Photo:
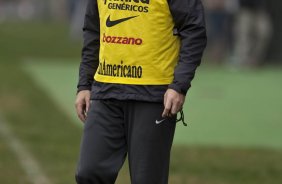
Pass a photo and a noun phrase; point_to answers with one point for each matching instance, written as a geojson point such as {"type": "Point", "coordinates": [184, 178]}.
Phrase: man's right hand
{"type": "Point", "coordinates": [82, 104]}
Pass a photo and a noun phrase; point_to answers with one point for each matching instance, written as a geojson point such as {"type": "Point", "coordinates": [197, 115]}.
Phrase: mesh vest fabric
{"type": "Point", "coordinates": [137, 45]}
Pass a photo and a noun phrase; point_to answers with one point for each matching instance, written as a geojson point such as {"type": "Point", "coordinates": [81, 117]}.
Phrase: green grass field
{"type": "Point", "coordinates": [223, 108]}
{"type": "Point", "coordinates": [235, 118]}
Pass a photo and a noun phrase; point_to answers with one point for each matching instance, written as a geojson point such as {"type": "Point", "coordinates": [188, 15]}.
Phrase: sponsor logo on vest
{"type": "Point", "coordinates": [126, 1]}
{"type": "Point", "coordinates": [122, 40]}
{"type": "Point", "coordinates": [129, 5]}
{"type": "Point", "coordinates": [120, 70]}
{"type": "Point", "coordinates": [111, 23]}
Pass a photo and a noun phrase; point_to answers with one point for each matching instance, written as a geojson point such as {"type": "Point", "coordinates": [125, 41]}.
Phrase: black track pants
{"type": "Point", "coordinates": [116, 128]}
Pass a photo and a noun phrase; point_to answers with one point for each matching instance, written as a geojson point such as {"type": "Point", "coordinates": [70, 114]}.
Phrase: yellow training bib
{"type": "Point", "coordinates": [137, 45]}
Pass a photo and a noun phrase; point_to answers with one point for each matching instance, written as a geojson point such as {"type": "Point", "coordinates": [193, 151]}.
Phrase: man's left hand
{"type": "Point", "coordinates": [173, 102]}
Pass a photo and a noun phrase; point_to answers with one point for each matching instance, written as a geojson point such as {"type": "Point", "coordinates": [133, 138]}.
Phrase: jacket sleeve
{"type": "Point", "coordinates": [189, 21]}
{"type": "Point", "coordinates": [91, 46]}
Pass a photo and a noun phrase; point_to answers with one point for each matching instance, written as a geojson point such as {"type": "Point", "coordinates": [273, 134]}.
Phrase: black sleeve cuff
{"type": "Point", "coordinates": [178, 88]}
{"type": "Point", "coordinates": [82, 88]}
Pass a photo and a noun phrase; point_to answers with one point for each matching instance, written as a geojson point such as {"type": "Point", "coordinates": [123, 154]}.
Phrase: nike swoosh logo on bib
{"type": "Point", "coordinates": [111, 23]}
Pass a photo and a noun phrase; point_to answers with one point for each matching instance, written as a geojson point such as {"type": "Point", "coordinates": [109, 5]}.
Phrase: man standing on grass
{"type": "Point", "coordinates": [143, 55]}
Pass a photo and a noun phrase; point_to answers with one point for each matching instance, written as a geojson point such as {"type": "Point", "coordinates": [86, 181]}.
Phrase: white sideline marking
{"type": "Point", "coordinates": [27, 161]}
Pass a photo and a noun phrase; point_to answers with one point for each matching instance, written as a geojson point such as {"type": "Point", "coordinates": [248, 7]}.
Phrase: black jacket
{"type": "Point", "coordinates": [189, 21]}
